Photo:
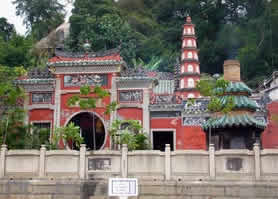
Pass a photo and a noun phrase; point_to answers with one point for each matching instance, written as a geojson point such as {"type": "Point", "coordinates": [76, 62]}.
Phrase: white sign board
{"type": "Point", "coordinates": [123, 187]}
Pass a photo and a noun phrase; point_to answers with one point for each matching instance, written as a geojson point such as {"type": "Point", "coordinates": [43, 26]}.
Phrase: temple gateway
{"type": "Point", "coordinates": [158, 100]}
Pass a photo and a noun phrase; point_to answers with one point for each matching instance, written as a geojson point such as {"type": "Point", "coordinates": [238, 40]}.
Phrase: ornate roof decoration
{"type": "Point", "coordinates": [64, 54]}
{"type": "Point", "coordinates": [143, 72]}
{"type": "Point", "coordinates": [37, 76]}
{"type": "Point", "coordinates": [40, 73]}
{"type": "Point", "coordinates": [198, 106]}
{"type": "Point", "coordinates": [269, 82]}
{"type": "Point", "coordinates": [109, 57]}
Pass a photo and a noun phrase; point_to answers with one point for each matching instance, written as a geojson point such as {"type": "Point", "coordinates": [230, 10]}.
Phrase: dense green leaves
{"type": "Point", "coordinates": [88, 98]}
{"type": "Point", "coordinates": [40, 16]}
{"type": "Point", "coordinates": [241, 29]}
{"type": "Point", "coordinates": [6, 29]}
{"type": "Point", "coordinates": [129, 132]}
{"type": "Point", "coordinates": [215, 88]}
{"type": "Point", "coordinates": [11, 110]}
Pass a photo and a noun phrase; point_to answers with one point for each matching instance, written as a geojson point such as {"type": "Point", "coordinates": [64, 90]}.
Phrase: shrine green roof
{"type": "Point", "coordinates": [237, 87]}
{"type": "Point", "coordinates": [229, 121]}
{"type": "Point", "coordinates": [240, 102]}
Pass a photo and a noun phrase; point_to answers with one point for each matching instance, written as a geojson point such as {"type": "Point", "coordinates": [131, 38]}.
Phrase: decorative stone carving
{"type": "Point", "coordinates": [165, 99]}
{"type": "Point", "coordinates": [41, 98]}
{"type": "Point", "coordinates": [194, 121]}
{"type": "Point", "coordinates": [87, 69]}
{"type": "Point", "coordinates": [99, 164]}
{"type": "Point", "coordinates": [196, 107]}
{"type": "Point", "coordinates": [85, 79]}
{"type": "Point", "coordinates": [234, 164]}
{"type": "Point", "coordinates": [131, 96]}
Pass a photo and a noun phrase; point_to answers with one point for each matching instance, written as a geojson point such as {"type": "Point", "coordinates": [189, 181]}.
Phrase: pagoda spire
{"type": "Point", "coordinates": [189, 70]}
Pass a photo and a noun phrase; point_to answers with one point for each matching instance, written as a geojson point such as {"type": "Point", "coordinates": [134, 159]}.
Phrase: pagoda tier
{"type": "Point", "coordinates": [189, 69]}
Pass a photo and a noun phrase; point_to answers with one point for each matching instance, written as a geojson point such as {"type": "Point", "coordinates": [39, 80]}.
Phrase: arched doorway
{"type": "Point", "coordinates": [91, 129]}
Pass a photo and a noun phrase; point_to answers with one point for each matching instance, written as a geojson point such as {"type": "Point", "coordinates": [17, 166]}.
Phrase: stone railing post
{"type": "Point", "coordinates": [3, 160]}
{"type": "Point", "coordinates": [212, 161]}
{"type": "Point", "coordinates": [257, 154]}
{"type": "Point", "coordinates": [42, 161]}
{"type": "Point", "coordinates": [124, 161]}
{"type": "Point", "coordinates": [167, 162]}
{"type": "Point", "coordinates": [82, 161]}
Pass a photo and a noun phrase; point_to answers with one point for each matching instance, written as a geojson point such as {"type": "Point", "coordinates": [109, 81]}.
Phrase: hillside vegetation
{"type": "Point", "coordinates": [151, 29]}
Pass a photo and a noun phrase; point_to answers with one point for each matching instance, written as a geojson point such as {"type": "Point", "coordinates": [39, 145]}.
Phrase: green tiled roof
{"type": "Point", "coordinates": [237, 87]}
{"type": "Point", "coordinates": [240, 102]}
{"type": "Point", "coordinates": [224, 121]}
{"type": "Point", "coordinates": [165, 87]}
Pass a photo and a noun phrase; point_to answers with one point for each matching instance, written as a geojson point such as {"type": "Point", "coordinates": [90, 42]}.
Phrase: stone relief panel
{"type": "Point", "coordinates": [165, 99]}
{"type": "Point", "coordinates": [99, 164]}
{"type": "Point", "coordinates": [193, 121]}
{"type": "Point", "coordinates": [131, 96]}
{"type": "Point", "coordinates": [85, 79]}
{"type": "Point", "coordinates": [38, 98]}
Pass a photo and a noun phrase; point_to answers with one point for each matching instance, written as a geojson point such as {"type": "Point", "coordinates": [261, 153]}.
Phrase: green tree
{"type": "Point", "coordinates": [215, 89]}
{"type": "Point", "coordinates": [16, 51]}
{"type": "Point", "coordinates": [11, 96]}
{"type": "Point", "coordinates": [70, 133]}
{"type": "Point", "coordinates": [6, 29]}
{"type": "Point", "coordinates": [129, 132]}
{"type": "Point", "coordinates": [40, 16]}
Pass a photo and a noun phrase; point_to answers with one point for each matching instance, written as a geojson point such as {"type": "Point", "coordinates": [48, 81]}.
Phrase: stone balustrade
{"type": "Point", "coordinates": [180, 165]}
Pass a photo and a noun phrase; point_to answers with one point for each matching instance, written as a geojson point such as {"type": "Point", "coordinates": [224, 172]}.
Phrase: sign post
{"type": "Point", "coordinates": [123, 187]}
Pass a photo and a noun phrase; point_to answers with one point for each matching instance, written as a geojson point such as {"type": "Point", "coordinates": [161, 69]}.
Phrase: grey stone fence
{"type": "Point", "coordinates": [180, 165]}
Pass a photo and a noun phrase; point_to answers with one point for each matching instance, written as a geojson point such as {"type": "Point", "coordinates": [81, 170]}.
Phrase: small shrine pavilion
{"type": "Point", "coordinates": [238, 129]}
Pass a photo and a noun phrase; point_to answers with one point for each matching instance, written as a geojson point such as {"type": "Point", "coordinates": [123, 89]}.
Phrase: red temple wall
{"type": "Point", "coordinates": [187, 137]}
{"type": "Point", "coordinates": [270, 134]}
{"type": "Point", "coordinates": [67, 112]}
{"type": "Point", "coordinates": [131, 114]}
{"type": "Point", "coordinates": [41, 115]}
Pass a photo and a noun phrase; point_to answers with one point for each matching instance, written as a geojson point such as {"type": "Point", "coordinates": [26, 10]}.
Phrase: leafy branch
{"type": "Point", "coordinates": [215, 89]}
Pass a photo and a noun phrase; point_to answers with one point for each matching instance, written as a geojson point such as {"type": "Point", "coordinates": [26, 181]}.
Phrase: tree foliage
{"type": "Point", "coordinates": [129, 132]}
{"type": "Point", "coordinates": [241, 29]}
{"type": "Point", "coordinates": [16, 51]}
{"type": "Point", "coordinates": [40, 16]}
{"type": "Point", "coordinates": [215, 88]}
{"type": "Point", "coordinates": [6, 29]}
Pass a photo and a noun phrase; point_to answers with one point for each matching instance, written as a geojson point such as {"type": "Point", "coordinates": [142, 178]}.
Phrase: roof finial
{"type": "Point", "coordinates": [188, 19]}
{"type": "Point", "coordinates": [87, 46]}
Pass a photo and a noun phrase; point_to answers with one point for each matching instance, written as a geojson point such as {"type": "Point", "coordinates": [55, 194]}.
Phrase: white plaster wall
{"type": "Point", "coordinates": [190, 162]}
{"type": "Point", "coordinates": [269, 162]}
{"type": "Point", "coordinates": [273, 94]}
{"type": "Point", "coordinates": [146, 163]}
{"type": "Point", "coordinates": [62, 162]}
{"type": "Point", "coordinates": [22, 162]}
{"type": "Point", "coordinates": [248, 165]}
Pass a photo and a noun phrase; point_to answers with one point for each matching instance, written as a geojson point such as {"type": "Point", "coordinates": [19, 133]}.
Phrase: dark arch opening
{"type": "Point", "coordinates": [91, 129]}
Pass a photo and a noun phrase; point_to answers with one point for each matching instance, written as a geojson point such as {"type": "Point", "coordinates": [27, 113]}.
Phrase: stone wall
{"type": "Point", "coordinates": [76, 189]}
{"type": "Point", "coordinates": [194, 174]}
